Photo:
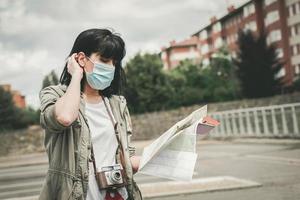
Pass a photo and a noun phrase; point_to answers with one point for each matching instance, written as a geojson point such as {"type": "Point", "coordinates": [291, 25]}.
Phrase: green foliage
{"type": "Point", "coordinates": [150, 88]}
{"type": "Point", "coordinates": [296, 84]}
{"type": "Point", "coordinates": [50, 79]}
{"type": "Point", "coordinates": [147, 87]}
{"type": "Point", "coordinates": [257, 66]}
{"type": "Point", "coordinates": [187, 81]}
{"type": "Point", "coordinates": [12, 117]}
{"type": "Point", "coordinates": [29, 116]}
{"type": "Point", "coordinates": [8, 112]}
{"type": "Point", "coordinates": [220, 79]}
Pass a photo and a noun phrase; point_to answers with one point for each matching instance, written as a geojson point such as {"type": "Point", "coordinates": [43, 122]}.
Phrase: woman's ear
{"type": "Point", "coordinates": [81, 59]}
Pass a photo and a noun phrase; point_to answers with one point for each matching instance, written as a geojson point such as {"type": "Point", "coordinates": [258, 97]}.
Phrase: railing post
{"type": "Point", "coordinates": [234, 127]}
{"type": "Point", "coordinates": [241, 123]}
{"type": "Point", "coordinates": [222, 128]}
{"type": "Point", "coordinates": [257, 128]}
{"type": "Point", "coordinates": [248, 122]}
{"type": "Point", "coordinates": [274, 122]}
{"type": "Point", "coordinates": [227, 124]}
{"type": "Point", "coordinates": [265, 123]}
{"type": "Point", "coordinates": [295, 122]}
{"type": "Point", "coordinates": [284, 125]}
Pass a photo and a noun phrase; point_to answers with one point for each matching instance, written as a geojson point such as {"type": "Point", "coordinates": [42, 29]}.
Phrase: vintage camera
{"type": "Point", "coordinates": [112, 177]}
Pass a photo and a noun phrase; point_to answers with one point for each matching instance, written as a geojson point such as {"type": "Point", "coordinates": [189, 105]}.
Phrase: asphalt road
{"type": "Point", "coordinates": [273, 163]}
{"type": "Point", "coordinates": [275, 166]}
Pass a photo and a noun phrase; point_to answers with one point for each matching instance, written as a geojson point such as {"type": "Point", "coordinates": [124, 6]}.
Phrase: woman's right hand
{"type": "Point", "coordinates": [73, 66]}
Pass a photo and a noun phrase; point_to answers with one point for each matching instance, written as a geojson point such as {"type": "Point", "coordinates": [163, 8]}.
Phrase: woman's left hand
{"type": "Point", "coordinates": [135, 162]}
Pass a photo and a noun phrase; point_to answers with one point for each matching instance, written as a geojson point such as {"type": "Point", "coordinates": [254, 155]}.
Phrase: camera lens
{"type": "Point", "coordinates": [116, 176]}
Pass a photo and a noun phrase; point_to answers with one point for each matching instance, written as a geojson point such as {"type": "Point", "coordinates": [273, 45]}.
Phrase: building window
{"type": "Point", "coordinates": [281, 73]}
{"type": "Point", "coordinates": [294, 9]}
{"type": "Point", "coordinates": [291, 12]}
{"type": "Point", "coordinates": [274, 36]}
{"type": "Point", "coordinates": [204, 49]}
{"type": "Point", "coordinates": [248, 10]}
{"type": "Point", "coordinates": [218, 43]}
{"type": "Point", "coordinates": [251, 26]}
{"type": "Point", "coordinates": [293, 31]}
{"type": "Point", "coordinates": [203, 35]}
{"type": "Point", "coordinates": [295, 50]}
{"type": "Point", "coordinates": [297, 29]}
{"type": "Point", "coordinates": [297, 69]}
{"type": "Point", "coordinates": [269, 2]}
{"type": "Point", "coordinates": [279, 53]}
{"type": "Point", "coordinates": [297, 8]}
{"type": "Point", "coordinates": [217, 27]}
{"type": "Point", "coordinates": [272, 17]}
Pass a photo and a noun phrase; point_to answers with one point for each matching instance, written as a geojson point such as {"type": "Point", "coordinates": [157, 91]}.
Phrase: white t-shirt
{"type": "Point", "coordinates": [105, 146]}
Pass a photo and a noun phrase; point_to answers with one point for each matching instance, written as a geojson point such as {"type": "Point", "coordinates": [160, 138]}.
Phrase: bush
{"type": "Point", "coordinates": [12, 117]}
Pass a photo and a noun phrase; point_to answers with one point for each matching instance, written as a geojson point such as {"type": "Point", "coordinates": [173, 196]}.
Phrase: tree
{"type": "Point", "coordinates": [187, 83]}
{"type": "Point", "coordinates": [50, 79]}
{"type": "Point", "coordinates": [220, 78]}
{"type": "Point", "coordinates": [257, 66]}
{"type": "Point", "coordinates": [8, 112]}
{"type": "Point", "coordinates": [147, 88]}
{"type": "Point", "coordinates": [296, 84]}
{"type": "Point", "coordinates": [12, 117]}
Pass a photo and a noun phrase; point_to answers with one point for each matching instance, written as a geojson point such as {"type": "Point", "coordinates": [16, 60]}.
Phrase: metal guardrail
{"type": "Point", "coordinates": [268, 121]}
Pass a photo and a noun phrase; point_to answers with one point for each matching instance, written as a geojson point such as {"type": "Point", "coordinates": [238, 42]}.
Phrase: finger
{"type": "Point", "coordinates": [73, 57]}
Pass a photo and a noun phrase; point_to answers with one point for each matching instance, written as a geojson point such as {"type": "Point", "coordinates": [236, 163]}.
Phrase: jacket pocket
{"type": "Point", "coordinates": [62, 186]}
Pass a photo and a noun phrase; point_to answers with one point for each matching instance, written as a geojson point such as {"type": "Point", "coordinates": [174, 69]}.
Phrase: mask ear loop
{"type": "Point", "coordinates": [90, 59]}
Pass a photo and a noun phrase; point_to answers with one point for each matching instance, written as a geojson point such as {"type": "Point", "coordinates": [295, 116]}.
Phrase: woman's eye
{"type": "Point", "coordinates": [105, 61]}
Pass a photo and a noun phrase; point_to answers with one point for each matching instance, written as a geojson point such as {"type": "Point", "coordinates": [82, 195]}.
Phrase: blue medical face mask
{"type": "Point", "coordinates": [101, 76]}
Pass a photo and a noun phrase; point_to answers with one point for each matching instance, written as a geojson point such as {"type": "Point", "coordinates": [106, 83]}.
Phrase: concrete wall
{"type": "Point", "coordinates": [151, 125]}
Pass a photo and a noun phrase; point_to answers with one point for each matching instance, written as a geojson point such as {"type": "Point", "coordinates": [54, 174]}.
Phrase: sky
{"type": "Point", "coordinates": [36, 36]}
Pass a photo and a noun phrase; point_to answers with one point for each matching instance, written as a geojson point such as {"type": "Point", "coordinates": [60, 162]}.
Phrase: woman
{"type": "Point", "coordinates": [82, 115]}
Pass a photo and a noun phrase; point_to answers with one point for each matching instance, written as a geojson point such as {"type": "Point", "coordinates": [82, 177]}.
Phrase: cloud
{"type": "Point", "coordinates": [36, 36]}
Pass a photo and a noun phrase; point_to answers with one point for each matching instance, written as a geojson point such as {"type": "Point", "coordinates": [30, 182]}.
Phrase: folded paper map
{"type": "Point", "coordinates": [173, 155]}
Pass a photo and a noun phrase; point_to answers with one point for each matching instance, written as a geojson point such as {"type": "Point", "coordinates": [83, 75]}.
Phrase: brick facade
{"type": "Point", "coordinates": [18, 98]}
{"type": "Point", "coordinates": [280, 19]}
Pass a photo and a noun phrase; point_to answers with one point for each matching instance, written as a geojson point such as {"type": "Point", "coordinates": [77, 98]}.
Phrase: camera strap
{"type": "Point", "coordinates": [115, 124]}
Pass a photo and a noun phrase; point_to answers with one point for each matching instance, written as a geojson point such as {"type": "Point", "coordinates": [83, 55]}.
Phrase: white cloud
{"type": "Point", "coordinates": [36, 36]}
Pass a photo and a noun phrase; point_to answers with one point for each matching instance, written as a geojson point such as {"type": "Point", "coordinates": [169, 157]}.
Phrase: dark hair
{"type": "Point", "coordinates": [107, 44]}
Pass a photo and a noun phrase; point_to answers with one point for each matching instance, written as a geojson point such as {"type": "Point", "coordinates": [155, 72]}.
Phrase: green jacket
{"type": "Point", "coordinates": [69, 147]}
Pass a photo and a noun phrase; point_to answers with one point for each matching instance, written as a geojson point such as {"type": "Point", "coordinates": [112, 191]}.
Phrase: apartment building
{"type": "Point", "coordinates": [18, 98]}
{"type": "Point", "coordinates": [178, 51]}
{"type": "Point", "coordinates": [280, 19]}
{"type": "Point", "coordinates": [293, 34]}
